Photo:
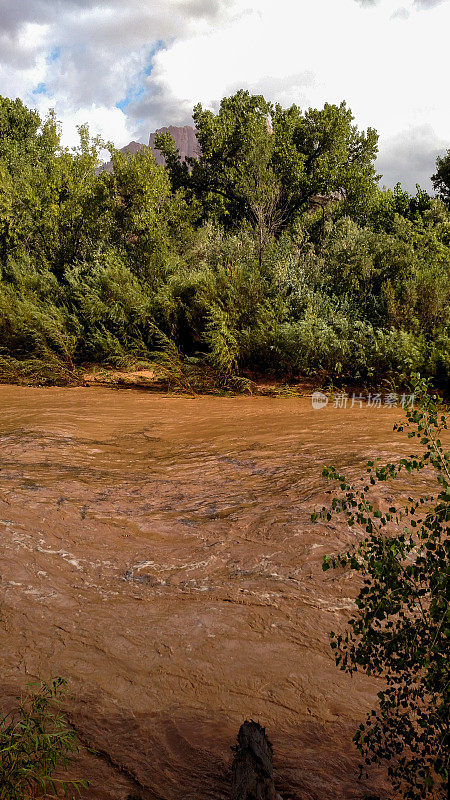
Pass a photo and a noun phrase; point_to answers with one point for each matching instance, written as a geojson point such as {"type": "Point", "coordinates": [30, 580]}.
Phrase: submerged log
{"type": "Point", "coordinates": [252, 766]}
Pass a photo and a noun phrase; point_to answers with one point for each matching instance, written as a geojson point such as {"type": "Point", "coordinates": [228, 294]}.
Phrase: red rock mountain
{"type": "Point", "coordinates": [132, 148]}
{"type": "Point", "coordinates": [184, 138]}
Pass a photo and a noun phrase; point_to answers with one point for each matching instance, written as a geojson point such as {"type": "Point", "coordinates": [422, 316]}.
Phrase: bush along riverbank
{"type": "Point", "coordinates": [275, 255]}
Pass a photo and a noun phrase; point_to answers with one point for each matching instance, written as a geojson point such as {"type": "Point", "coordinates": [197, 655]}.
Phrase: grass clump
{"type": "Point", "coordinates": [35, 744]}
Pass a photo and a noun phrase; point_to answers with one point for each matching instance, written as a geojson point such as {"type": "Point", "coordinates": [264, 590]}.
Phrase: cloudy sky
{"type": "Point", "coordinates": [129, 66]}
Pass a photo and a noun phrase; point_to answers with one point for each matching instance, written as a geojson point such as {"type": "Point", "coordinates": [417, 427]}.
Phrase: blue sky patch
{"type": "Point", "coordinates": [41, 88]}
{"type": "Point", "coordinates": [54, 55]}
{"type": "Point", "coordinates": [137, 88]}
{"type": "Point", "coordinates": [133, 94]}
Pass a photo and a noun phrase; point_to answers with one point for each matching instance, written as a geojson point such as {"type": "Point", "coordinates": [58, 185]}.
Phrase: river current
{"type": "Point", "coordinates": [158, 553]}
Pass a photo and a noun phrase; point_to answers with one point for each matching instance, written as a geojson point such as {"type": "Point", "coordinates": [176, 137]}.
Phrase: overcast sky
{"type": "Point", "coordinates": [129, 66]}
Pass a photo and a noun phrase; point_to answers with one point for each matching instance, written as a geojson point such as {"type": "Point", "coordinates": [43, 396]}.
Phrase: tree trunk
{"type": "Point", "coordinates": [252, 765]}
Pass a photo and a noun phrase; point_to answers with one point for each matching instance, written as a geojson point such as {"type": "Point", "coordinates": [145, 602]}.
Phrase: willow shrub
{"type": "Point", "coordinates": [339, 347]}
{"type": "Point", "coordinates": [112, 308]}
{"type": "Point", "coordinates": [36, 742]}
{"type": "Point", "coordinates": [30, 324]}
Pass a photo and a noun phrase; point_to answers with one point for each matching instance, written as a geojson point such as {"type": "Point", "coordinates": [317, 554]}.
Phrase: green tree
{"type": "Point", "coordinates": [26, 145]}
{"type": "Point", "coordinates": [51, 202]}
{"type": "Point", "coordinates": [387, 203]}
{"type": "Point", "coordinates": [262, 164]}
{"type": "Point", "coordinates": [441, 178]}
{"type": "Point", "coordinates": [147, 220]}
{"type": "Point", "coordinates": [67, 204]}
{"type": "Point", "coordinates": [401, 626]}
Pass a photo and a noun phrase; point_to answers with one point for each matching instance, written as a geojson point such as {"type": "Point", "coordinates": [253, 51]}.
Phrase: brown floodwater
{"type": "Point", "coordinates": [158, 553]}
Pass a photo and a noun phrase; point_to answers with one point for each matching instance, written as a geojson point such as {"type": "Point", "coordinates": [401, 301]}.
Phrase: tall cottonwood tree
{"type": "Point", "coordinates": [50, 198]}
{"type": "Point", "coordinates": [262, 163]}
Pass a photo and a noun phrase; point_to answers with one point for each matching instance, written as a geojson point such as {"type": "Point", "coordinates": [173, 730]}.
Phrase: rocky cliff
{"type": "Point", "coordinates": [184, 138]}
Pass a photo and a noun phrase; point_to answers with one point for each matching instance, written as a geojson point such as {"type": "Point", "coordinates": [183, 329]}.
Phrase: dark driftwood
{"type": "Point", "coordinates": [252, 765]}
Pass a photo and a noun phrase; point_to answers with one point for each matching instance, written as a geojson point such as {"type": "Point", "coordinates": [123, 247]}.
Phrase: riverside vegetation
{"type": "Point", "coordinates": [35, 743]}
{"type": "Point", "coordinates": [274, 254]}
{"type": "Point", "coordinates": [400, 628]}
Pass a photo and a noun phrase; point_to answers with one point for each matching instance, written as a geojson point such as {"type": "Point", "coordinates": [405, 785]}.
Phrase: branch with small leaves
{"type": "Point", "coordinates": [401, 627]}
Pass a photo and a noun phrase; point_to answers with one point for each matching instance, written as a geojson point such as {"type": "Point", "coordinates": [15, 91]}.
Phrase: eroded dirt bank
{"type": "Point", "coordinates": [158, 553]}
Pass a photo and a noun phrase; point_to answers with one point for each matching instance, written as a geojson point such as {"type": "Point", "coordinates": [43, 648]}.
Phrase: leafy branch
{"type": "Point", "coordinates": [401, 627]}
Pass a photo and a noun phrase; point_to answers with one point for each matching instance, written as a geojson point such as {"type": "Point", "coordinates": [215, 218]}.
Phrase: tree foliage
{"type": "Point", "coordinates": [400, 628]}
{"type": "Point", "coordinates": [275, 252]}
{"type": "Point", "coordinates": [263, 164]}
{"type": "Point", "coordinates": [441, 178]}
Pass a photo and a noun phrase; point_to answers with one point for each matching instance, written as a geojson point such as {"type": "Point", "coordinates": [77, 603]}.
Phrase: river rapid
{"type": "Point", "coordinates": [158, 553]}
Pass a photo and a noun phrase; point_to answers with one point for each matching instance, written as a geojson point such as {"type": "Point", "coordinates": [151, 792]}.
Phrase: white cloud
{"type": "Point", "coordinates": [400, 13]}
{"type": "Point", "coordinates": [111, 123]}
{"type": "Point", "coordinates": [422, 4]}
{"type": "Point", "coordinates": [85, 56]}
{"type": "Point", "coordinates": [427, 4]}
{"type": "Point", "coordinates": [410, 157]}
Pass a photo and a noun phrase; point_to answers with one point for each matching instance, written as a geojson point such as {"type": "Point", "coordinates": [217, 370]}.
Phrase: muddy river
{"type": "Point", "coordinates": [158, 553]}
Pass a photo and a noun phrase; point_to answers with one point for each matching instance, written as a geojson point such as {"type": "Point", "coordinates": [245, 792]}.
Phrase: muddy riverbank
{"type": "Point", "coordinates": [158, 553]}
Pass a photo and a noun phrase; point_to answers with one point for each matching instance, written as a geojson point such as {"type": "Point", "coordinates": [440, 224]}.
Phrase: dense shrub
{"type": "Point", "coordinates": [103, 268]}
